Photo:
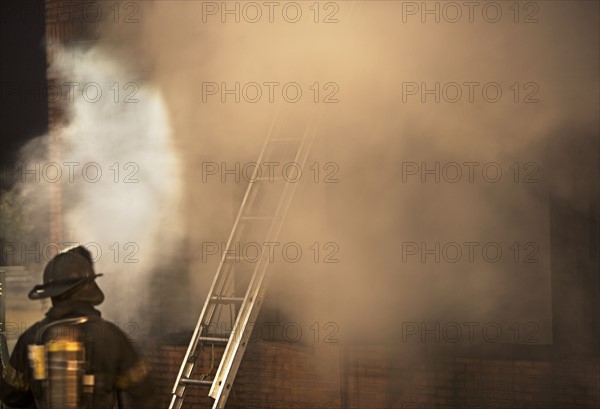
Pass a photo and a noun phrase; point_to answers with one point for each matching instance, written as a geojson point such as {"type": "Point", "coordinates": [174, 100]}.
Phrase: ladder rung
{"type": "Point", "coordinates": [227, 300]}
{"type": "Point", "coordinates": [195, 382]}
{"type": "Point", "coordinates": [214, 339]}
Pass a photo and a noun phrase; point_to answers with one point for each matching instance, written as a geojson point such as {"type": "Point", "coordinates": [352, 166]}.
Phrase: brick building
{"type": "Point", "coordinates": [279, 373]}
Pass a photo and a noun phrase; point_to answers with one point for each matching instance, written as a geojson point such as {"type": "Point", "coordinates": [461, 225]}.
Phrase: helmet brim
{"type": "Point", "coordinates": [54, 289]}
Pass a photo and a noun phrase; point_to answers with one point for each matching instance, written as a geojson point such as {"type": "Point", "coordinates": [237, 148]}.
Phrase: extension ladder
{"type": "Point", "coordinates": [260, 216]}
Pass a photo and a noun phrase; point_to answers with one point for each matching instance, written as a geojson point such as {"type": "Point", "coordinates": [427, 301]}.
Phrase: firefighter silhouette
{"type": "Point", "coordinates": [74, 359]}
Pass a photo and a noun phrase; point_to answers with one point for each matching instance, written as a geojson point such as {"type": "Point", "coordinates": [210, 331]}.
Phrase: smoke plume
{"type": "Point", "coordinates": [413, 134]}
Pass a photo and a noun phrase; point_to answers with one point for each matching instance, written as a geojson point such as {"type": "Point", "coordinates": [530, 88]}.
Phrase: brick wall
{"type": "Point", "coordinates": [278, 375]}
{"type": "Point", "coordinates": [272, 375]}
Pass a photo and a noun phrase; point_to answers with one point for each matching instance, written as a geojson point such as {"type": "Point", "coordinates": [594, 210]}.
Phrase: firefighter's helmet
{"type": "Point", "coordinates": [64, 272]}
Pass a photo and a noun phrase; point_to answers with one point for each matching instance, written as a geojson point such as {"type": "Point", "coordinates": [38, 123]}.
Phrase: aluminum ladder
{"type": "Point", "coordinates": [261, 214]}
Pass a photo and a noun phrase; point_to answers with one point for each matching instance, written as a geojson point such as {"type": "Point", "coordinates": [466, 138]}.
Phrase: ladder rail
{"type": "Point", "coordinates": [236, 346]}
{"type": "Point", "coordinates": [254, 294]}
{"type": "Point", "coordinates": [238, 217]}
{"type": "Point", "coordinates": [187, 364]}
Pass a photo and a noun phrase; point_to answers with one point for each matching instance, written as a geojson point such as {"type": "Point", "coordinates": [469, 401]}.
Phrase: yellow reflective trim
{"type": "Point", "coordinates": [37, 361]}
{"type": "Point", "coordinates": [61, 346]}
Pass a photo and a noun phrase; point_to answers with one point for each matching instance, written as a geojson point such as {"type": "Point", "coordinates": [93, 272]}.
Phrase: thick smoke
{"type": "Point", "coordinates": [376, 53]}
{"type": "Point", "coordinates": [378, 141]}
{"type": "Point", "coordinates": [114, 164]}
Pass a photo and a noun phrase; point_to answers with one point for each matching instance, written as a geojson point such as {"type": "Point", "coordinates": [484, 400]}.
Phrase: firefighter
{"type": "Point", "coordinates": [73, 358]}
